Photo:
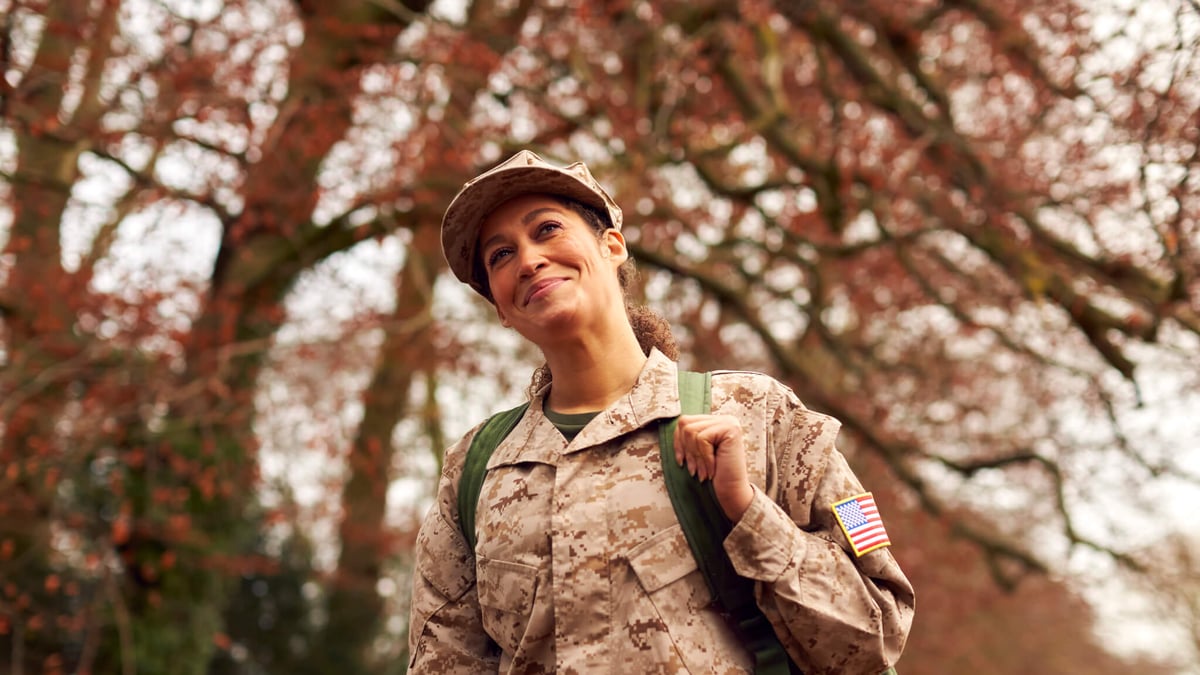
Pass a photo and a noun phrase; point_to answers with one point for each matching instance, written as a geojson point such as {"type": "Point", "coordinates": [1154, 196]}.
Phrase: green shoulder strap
{"type": "Point", "coordinates": [705, 526]}
{"type": "Point", "coordinates": [495, 429]}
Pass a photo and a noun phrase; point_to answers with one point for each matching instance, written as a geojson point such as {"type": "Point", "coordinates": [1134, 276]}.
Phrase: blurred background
{"type": "Point", "coordinates": [231, 356]}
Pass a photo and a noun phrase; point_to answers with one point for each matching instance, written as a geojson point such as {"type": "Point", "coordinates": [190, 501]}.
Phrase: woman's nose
{"type": "Point", "coordinates": [530, 259]}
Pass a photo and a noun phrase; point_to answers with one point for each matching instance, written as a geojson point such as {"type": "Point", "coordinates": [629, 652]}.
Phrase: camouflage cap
{"type": "Point", "coordinates": [523, 173]}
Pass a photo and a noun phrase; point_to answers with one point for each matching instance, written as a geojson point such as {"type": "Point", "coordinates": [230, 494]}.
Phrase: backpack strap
{"type": "Point", "coordinates": [483, 444]}
{"type": "Point", "coordinates": [705, 526]}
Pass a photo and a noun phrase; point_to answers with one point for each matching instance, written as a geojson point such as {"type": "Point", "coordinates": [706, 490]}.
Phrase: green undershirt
{"type": "Point", "coordinates": [568, 425]}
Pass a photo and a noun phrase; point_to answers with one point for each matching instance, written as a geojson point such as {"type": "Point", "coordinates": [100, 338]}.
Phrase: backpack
{"type": "Point", "coordinates": [700, 515]}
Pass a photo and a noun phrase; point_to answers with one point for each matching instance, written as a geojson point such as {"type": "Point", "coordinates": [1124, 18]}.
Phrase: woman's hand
{"type": "Point", "coordinates": [712, 447]}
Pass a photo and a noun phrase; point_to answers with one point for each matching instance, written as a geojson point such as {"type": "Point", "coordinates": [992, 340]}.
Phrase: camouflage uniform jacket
{"type": "Point", "coordinates": [582, 567]}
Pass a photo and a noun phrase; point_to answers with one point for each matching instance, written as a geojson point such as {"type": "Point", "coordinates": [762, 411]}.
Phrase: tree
{"type": "Point", "coordinates": [184, 444]}
{"type": "Point", "coordinates": [966, 622]}
{"type": "Point", "coordinates": [967, 230]}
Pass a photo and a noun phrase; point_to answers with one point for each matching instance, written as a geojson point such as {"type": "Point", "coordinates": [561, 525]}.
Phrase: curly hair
{"type": "Point", "coordinates": [651, 329]}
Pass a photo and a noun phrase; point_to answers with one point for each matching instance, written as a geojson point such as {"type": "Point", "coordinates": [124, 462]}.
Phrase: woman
{"type": "Point", "coordinates": [580, 563]}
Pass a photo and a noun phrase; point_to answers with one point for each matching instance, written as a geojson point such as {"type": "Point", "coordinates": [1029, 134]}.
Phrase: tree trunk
{"type": "Point", "coordinates": [177, 585]}
{"type": "Point", "coordinates": [356, 610]}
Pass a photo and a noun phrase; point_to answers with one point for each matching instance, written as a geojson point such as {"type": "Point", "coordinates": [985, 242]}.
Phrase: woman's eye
{"type": "Point", "coordinates": [549, 226]}
{"type": "Point", "coordinates": [497, 255]}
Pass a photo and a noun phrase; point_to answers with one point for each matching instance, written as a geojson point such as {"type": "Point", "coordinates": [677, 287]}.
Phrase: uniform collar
{"type": "Point", "coordinates": [654, 396]}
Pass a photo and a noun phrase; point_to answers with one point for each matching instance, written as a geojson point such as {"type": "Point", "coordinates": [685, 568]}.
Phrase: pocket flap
{"type": "Point", "coordinates": [663, 558]}
{"type": "Point", "coordinates": [507, 586]}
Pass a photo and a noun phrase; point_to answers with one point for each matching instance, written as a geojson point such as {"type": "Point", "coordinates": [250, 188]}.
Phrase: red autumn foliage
{"type": "Point", "coordinates": [969, 230]}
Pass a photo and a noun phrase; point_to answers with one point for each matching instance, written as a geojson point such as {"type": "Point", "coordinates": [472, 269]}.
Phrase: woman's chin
{"type": "Point", "coordinates": [554, 325]}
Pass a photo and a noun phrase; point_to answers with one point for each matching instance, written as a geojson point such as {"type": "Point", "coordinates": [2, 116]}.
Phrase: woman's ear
{"type": "Point", "coordinates": [612, 245]}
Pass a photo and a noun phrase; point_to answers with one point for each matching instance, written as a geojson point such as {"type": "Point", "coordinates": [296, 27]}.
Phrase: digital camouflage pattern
{"type": "Point", "coordinates": [581, 565]}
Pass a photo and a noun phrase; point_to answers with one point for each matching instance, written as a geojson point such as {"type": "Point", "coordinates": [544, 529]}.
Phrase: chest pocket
{"type": "Point", "coordinates": [506, 598]}
{"type": "Point", "coordinates": [660, 562]}
{"type": "Point", "coordinates": [677, 593]}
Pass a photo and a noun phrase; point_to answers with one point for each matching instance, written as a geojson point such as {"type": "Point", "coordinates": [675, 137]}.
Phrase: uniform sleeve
{"type": "Point", "coordinates": [446, 632]}
{"type": "Point", "coordinates": [834, 611]}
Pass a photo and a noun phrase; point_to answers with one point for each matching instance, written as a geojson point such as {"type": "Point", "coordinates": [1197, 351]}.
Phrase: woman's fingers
{"type": "Point", "coordinates": [687, 448]}
{"type": "Point", "coordinates": [699, 440]}
{"type": "Point", "coordinates": [703, 458]}
{"type": "Point", "coordinates": [712, 447]}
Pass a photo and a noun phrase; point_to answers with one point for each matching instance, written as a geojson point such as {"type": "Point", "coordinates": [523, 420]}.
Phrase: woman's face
{"type": "Point", "coordinates": [550, 273]}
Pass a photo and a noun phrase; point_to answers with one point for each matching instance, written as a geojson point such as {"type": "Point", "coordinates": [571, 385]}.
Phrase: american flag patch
{"type": "Point", "coordinates": [860, 520]}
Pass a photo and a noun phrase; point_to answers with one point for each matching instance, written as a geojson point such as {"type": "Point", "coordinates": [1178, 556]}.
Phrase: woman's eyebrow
{"type": "Point", "coordinates": [534, 214]}
{"type": "Point", "coordinates": [488, 242]}
{"type": "Point", "coordinates": [525, 220]}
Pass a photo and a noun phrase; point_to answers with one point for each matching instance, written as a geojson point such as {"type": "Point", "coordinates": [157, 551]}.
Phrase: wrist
{"type": "Point", "coordinates": [735, 500]}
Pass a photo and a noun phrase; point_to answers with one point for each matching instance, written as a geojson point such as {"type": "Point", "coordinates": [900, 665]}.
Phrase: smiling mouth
{"type": "Point", "coordinates": [541, 288]}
